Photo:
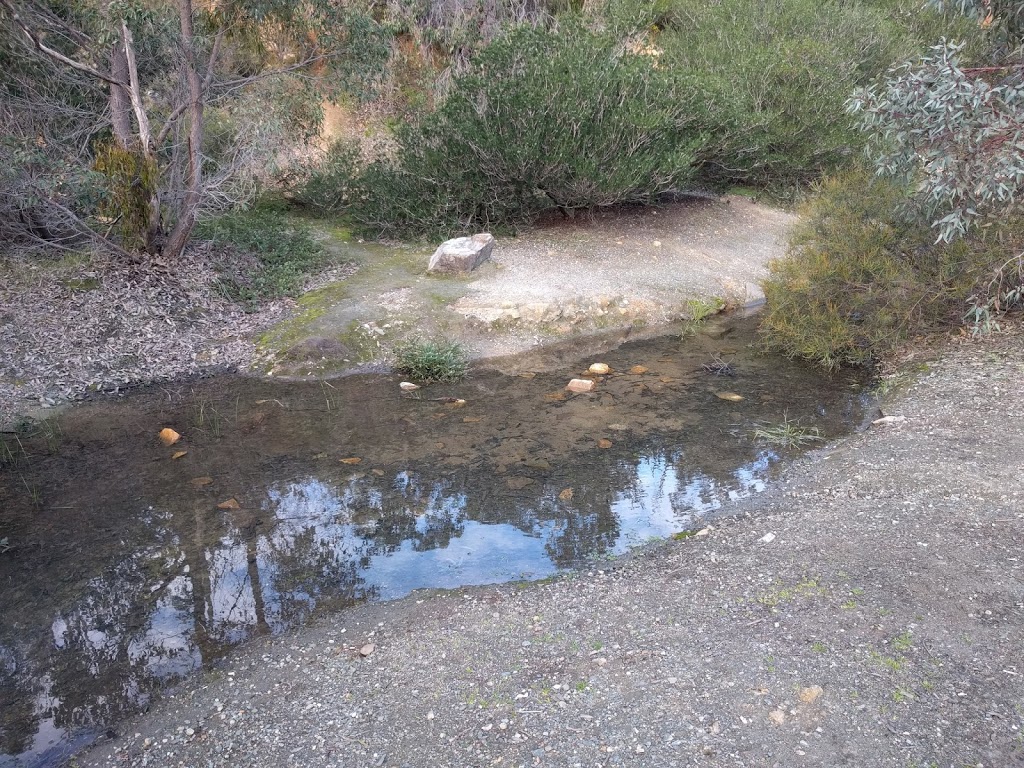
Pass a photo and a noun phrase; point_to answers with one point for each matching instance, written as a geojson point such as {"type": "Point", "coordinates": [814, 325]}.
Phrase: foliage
{"type": "Point", "coordinates": [559, 117]}
{"type": "Point", "coordinates": [335, 181]}
{"type": "Point", "coordinates": [42, 184]}
{"type": "Point", "coordinates": [773, 78]}
{"type": "Point", "coordinates": [267, 254]}
{"type": "Point", "coordinates": [950, 127]}
{"type": "Point", "coordinates": [131, 180]}
{"type": "Point", "coordinates": [952, 132]}
{"type": "Point", "coordinates": [431, 360]}
{"type": "Point", "coordinates": [1004, 19]}
{"type": "Point", "coordinates": [180, 107]}
{"type": "Point", "coordinates": [698, 311]}
{"type": "Point", "coordinates": [862, 274]}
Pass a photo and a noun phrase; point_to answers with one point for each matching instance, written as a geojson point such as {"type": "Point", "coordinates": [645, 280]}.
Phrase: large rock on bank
{"type": "Point", "coordinates": [461, 255]}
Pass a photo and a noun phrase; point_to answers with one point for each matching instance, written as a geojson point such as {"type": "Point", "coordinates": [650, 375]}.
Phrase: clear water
{"type": "Point", "coordinates": [125, 576]}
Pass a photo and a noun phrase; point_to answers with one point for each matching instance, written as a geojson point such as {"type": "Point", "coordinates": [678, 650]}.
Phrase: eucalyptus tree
{"type": "Point", "coordinates": [952, 127]}
{"type": "Point", "coordinates": [133, 83]}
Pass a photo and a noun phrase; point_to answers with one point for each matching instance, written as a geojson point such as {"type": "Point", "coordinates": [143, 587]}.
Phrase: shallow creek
{"type": "Point", "coordinates": [123, 575]}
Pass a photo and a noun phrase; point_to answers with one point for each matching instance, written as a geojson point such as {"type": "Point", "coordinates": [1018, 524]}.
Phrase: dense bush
{"type": "Point", "coordinates": [564, 117]}
{"type": "Point", "coordinates": [863, 273]}
{"type": "Point", "coordinates": [774, 78]}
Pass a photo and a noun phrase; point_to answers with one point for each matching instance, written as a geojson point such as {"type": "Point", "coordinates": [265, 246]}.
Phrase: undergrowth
{"type": "Point", "coordinates": [863, 274]}
{"type": "Point", "coordinates": [266, 254]}
{"type": "Point", "coordinates": [584, 105]}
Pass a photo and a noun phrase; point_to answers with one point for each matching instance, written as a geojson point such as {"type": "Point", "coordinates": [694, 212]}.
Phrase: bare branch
{"type": "Point", "coordinates": [179, 110]}
{"type": "Point", "coordinates": [135, 91]}
{"type": "Point", "coordinates": [244, 81]}
{"type": "Point", "coordinates": [214, 51]}
{"type": "Point", "coordinates": [172, 118]}
{"type": "Point", "coordinates": [53, 54]}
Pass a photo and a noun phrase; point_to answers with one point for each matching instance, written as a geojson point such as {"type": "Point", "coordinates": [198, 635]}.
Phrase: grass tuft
{"type": "Point", "coordinates": [428, 361]}
{"type": "Point", "coordinates": [788, 434]}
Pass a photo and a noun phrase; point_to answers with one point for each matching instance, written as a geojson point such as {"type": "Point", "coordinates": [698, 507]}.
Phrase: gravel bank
{"type": "Point", "coordinates": [867, 611]}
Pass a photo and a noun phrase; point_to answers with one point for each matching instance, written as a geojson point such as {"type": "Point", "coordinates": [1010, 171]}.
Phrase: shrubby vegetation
{"type": "Point", "coordinates": [544, 117]}
{"type": "Point", "coordinates": [774, 78]}
{"type": "Point", "coordinates": [864, 273]}
{"type": "Point", "coordinates": [124, 123]}
{"type": "Point", "coordinates": [935, 238]}
{"type": "Point", "coordinates": [128, 123]}
{"type": "Point", "coordinates": [622, 103]}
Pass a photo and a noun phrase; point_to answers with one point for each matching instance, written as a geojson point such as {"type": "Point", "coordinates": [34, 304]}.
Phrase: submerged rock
{"type": "Point", "coordinates": [580, 385]}
{"type": "Point", "coordinates": [462, 254]}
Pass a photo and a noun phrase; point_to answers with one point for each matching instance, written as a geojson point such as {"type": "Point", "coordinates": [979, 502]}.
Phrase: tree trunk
{"type": "Point", "coordinates": [120, 102]}
{"type": "Point", "coordinates": [189, 209]}
{"type": "Point", "coordinates": [253, 571]}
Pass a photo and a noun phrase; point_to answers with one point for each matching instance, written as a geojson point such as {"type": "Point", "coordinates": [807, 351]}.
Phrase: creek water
{"type": "Point", "coordinates": [123, 575]}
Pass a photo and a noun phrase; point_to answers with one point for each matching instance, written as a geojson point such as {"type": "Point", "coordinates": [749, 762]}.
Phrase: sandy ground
{"type": "Point", "coordinates": [643, 264]}
{"type": "Point", "coordinates": [632, 270]}
{"type": "Point", "coordinates": [867, 611]}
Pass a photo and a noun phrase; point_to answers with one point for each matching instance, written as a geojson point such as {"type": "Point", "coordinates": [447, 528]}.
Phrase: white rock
{"type": "Point", "coordinates": [462, 254]}
{"type": "Point", "coordinates": [768, 538]}
{"type": "Point", "coordinates": [580, 385]}
{"type": "Point", "coordinates": [889, 420]}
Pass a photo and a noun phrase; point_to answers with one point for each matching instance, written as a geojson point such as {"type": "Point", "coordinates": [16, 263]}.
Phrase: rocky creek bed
{"type": "Point", "coordinates": [278, 502]}
{"type": "Point", "coordinates": [866, 611]}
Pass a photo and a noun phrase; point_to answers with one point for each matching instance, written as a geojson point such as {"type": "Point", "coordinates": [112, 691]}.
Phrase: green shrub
{"type": "Point", "coordinates": [335, 182]}
{"type": "Point", "coordinates": [429, 361]}
{"type": "Point", "coordinates": [863, 273]}
{"type": "Point", "coordinates": [260, 254]}
{"type": "Point", "coordinates": [563, 117]}
{"type": "Point", "coordinates": [774, 78]}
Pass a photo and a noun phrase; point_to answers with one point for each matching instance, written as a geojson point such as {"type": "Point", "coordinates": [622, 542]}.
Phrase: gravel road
{"type": "Point", "coordinates": [866, 611]}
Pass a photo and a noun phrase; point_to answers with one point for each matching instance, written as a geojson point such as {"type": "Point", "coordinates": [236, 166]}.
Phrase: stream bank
{"type": "Point", "coordinates": [135, 559]}
{"type": "Point", "coordinates": [82, 326]}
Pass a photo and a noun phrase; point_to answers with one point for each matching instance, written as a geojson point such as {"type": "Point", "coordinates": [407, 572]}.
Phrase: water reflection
{"type": "Point", "coordinates": [137, 583]}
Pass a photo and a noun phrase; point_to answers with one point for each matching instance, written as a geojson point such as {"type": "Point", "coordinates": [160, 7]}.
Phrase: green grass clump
{"type": "Point", "coordinates": [788, 434]}
{"type": "Point", "coordinates": [261, 254]}
{"type": "Point", "coordinates": [698, 311]}
{"type": "Point", "coordinates": [431, 361]}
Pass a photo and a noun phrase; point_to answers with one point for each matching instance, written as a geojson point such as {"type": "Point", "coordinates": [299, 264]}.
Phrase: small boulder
{"type": "Point", "coordinates": [580, 385]}
{"type": "Point", "coordinates": [461, 255]}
